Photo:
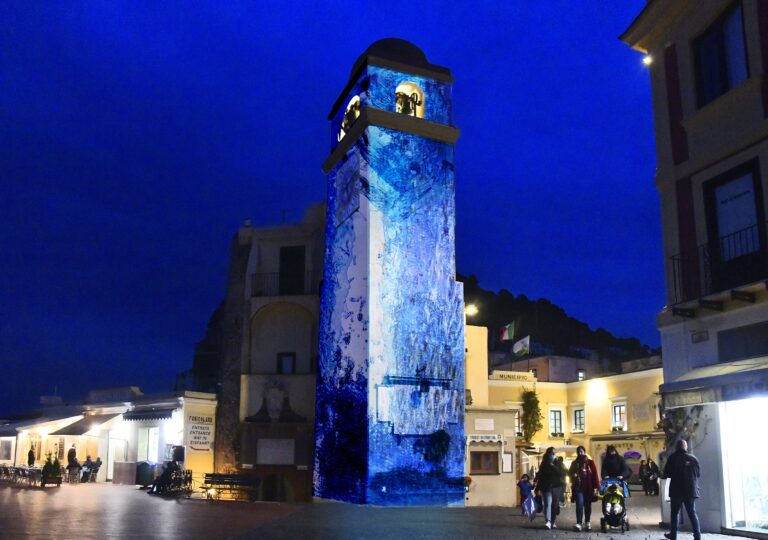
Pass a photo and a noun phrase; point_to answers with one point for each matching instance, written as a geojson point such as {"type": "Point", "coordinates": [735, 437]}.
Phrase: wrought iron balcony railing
{"type": "Point", "coordinates": [284, 284]}
{"type": "Point", "coordinates": [734, 260]}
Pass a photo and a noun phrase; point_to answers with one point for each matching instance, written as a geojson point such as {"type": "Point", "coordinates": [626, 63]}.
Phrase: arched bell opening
{"type": "Point", "coordinates": [409, 99]}
{"type": "Point", "coordinates": [351, 113]}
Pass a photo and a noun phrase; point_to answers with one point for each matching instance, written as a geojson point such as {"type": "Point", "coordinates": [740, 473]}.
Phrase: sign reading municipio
{"type": "Point", "coordinates": [200, 433]}
{"type": "Point", "coordinates": [518, 376]}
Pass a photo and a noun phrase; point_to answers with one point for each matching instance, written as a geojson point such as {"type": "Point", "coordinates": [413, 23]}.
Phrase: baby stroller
{"type": "Point", "coordinates": [613, 505]}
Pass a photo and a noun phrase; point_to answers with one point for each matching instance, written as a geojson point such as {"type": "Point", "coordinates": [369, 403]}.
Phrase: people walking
{"type": "Point", "coordinates": [653, 477]}
{"type": "Point", "coordinates": [643, 474]}
{"type": "Point", "coordinates": [584, 485]}
{"type": "Point", "coordinates": [31, 456]}
{"type": "Point", "coordinates": [683, 471]}
{"type": "Point", "coordinates": [560, 463]}
{"type": "Point", "coordinates": [549, 482]}
{"type": "Point", "coordinates": [526, 488]}
{"type": "Point", "coordinates": [614, 466]}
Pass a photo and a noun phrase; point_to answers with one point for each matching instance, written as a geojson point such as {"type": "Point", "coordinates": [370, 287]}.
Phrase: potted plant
{"type": "Point", "coordinates": [51, 474]}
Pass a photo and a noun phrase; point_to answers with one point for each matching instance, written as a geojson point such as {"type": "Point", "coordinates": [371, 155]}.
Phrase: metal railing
{"type": "Point", "coordinates": [734, 260]}
{"type": "Point", "coordinates": [284, 284]}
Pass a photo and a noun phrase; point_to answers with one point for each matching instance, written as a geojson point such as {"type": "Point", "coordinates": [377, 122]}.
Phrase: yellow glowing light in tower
{"type": "Point", "coordinates": [647, 60]}
{"type": "Point", "coordinates": [471, 309]}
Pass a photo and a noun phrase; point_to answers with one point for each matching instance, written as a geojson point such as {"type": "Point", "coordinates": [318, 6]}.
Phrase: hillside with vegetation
{"type": "Point", "coordinates": [551, 329]}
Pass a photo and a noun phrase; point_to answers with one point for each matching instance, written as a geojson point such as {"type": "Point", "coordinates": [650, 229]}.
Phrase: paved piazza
{"type": "Point", "coordinates": [106, 511]}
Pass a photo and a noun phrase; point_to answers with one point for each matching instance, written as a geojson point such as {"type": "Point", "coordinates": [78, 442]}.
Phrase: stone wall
{"type": "Point", "coordinates": [228, 410]}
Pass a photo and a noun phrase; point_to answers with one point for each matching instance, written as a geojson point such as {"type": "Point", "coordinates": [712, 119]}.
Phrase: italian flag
{"type": "Point", "coordinates": [508, 332]}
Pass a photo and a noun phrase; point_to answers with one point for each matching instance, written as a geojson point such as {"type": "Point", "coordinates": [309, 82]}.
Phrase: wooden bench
{"type": "Point", "coordinates": [234, 484]}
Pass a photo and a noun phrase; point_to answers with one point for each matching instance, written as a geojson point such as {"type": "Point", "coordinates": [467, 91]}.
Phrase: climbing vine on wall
{"type": "Point", "coordinates": [531, 421]}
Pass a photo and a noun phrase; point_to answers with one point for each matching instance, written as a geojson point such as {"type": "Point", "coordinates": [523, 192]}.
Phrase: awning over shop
{"type": "Point", "coordinates": [728, 381]}
{"type": "Point", "coordinates": [51, 420]}
{"type": "Point", "coordinates": [149, 414]}
{"type": "Point", "coordinates": [485, 438]}
{"type": "Point", "coordinates": [8, 430]}
{"type": "Point", "coordinates": [85, 424]}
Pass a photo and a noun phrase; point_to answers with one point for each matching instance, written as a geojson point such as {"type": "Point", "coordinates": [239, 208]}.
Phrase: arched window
{"type": "Point", "coordinates": [409, 99]}
{"type": "Point", "coordinates": [351, 114]}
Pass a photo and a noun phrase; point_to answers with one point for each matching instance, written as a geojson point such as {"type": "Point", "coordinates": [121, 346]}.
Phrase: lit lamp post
{"type": "Point", "coordinates": [470, 310]}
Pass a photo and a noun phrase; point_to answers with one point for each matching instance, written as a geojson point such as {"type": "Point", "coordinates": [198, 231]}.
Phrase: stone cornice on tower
{"type": "Point", "coordinates": [401, 122]}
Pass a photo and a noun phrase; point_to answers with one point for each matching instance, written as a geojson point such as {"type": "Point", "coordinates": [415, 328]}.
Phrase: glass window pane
{"type": "Point", "coordinates": [735, 55]}
{"type": "Point", "coordinates": [737, 218]}
{"type": "Point", "coordinates": [709, 64]}
{"type": "Point", "coordinates": [484, 462]}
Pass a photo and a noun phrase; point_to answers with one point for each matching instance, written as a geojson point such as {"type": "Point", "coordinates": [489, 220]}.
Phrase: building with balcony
{"type": "Point", "coordinates": [709, 80]}
{"type": "Point", "coordinates": [264, 338]}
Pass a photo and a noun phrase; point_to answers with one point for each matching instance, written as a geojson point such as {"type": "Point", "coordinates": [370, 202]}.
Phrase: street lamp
{"type": "Point", "coordinates": [470, 310]}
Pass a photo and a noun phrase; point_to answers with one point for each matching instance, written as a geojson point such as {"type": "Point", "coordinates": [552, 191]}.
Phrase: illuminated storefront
{"type": "Point", "coordinates": [719, 410]}
{"type": "Point", "coordinates": [746, 474]}
{"type": "Point", "coordinates": [123, 434]}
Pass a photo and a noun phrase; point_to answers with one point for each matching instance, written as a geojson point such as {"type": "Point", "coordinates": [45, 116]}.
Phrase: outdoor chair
{"type": "Point", "coordinates": [72, 475]}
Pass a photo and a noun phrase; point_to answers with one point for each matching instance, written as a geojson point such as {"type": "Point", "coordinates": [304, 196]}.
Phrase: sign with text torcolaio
{"type": "Point", "coordinates": [200, 430]}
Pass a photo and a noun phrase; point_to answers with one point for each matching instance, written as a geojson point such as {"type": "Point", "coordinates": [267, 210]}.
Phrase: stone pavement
{"type": "Point", "coordinates": [105, 511]}
{"type": "Point", "coordinates": [340, 521]}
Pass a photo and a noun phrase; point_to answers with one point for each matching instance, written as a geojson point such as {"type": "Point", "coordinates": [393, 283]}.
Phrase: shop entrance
{"type": "Point", "coordinates": [117, 452]}
{"type": "Point", "coordinates": [746, 475]}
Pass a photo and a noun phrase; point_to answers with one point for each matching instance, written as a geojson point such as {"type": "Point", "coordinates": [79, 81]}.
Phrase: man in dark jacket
{"type": "Point", "coordinates": [683, 472]}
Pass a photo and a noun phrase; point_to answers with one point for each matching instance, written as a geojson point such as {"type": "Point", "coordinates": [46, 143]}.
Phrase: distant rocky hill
{"type": "Point", "coordinates": [552, 331]}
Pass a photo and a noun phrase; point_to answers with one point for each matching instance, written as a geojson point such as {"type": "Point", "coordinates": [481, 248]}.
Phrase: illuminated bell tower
{"type": "Point", "coordinates": [390, 391]}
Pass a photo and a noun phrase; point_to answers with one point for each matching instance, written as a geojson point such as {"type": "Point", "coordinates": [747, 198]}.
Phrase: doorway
{"type": "Point", "coordinates": [117, 451]}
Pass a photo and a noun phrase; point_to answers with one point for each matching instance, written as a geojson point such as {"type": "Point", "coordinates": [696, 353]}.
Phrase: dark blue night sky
{"type": "Point", "coordinates": [135, 137]}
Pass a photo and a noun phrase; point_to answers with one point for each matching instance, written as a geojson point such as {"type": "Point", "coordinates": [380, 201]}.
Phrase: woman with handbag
{"type": "Point", "coordinates": [584, 484]}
